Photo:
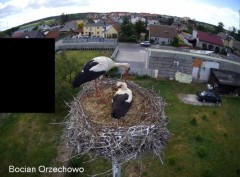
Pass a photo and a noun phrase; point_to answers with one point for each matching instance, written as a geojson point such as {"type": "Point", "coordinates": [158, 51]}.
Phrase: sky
{"type": "Point", "coordinates": [17, 12]}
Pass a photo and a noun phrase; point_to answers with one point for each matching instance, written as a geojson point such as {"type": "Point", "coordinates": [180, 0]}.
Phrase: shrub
{"type": "Point", "coordinates": [76, 162]}
{"type": "Point", "coordinates": [205, 117]}
{"type": "Point", "coordinates": [207, 173]}
{"type": "Point", "coordinates": [238, 172]}
{"type": "Point", "coordinates": [193, 121]}
{"type": "Point", "coordinates": [172, 160]}
{"type": "Point", "coordinates": [214, 112]}
{"type": "Point", "coordinates": [142, 77]}
{"type": "Point", "coordinates": [198, 138]}
{"type": "Point", "coordinates": [202, 151]}
{"type": "Point", "coordinates": [225, 135]}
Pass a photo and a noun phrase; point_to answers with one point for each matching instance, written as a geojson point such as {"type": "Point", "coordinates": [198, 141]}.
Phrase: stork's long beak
{"type": "Point", "coordinates": [126, 74]}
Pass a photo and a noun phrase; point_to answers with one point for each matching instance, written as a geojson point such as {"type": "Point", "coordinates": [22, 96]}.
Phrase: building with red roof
{"type": "Point", "coordinates": [208, 41]}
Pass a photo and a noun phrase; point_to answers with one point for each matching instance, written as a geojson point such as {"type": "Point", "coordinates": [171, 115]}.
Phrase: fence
{"type": "Point", "coordinates": [88, 46]}
{"type": "Point", "coordinates": [87, 40]}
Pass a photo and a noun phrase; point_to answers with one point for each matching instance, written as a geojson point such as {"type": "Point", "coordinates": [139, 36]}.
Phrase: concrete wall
{"type": "Point", "coordinates": [168, 62]}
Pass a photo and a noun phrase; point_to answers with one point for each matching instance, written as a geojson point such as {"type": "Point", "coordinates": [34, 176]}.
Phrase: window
{"type": "Point", "coordinates": [176, 63]}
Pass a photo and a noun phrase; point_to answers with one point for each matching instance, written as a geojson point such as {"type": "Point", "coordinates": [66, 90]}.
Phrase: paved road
{"type": "Point", "coordinates": [132, 54]}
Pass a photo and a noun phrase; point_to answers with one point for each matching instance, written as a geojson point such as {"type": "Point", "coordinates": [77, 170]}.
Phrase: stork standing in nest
{"type": "Point", "coordinates": [95, 69]}
{"type": "Point", "coordinates": [122, 101]}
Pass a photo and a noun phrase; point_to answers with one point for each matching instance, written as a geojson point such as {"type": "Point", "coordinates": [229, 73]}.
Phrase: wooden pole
{"type": "Point", "coordinates": [116, 168]}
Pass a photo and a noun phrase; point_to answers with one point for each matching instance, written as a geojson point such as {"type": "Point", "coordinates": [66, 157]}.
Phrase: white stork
{"type": "Point", "coordinates": [122, 101]}
{"type": "Point", "coordinates": [96, 68]}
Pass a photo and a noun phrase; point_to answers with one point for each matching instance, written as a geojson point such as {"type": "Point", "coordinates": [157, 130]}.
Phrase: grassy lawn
{"type": "Point", "coordinates": [205, 141]}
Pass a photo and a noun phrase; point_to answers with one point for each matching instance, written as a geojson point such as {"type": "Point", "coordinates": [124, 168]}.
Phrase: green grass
{"type": "Point", "coordinates": [211, 148]}
{"type": "Point", "coordinates": [46, 22]}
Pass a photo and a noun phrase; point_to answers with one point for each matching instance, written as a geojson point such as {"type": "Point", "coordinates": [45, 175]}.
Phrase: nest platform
{"type": "Point", "coordinates": [91, 129]}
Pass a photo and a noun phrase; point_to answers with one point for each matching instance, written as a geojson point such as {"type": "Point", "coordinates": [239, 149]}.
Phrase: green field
{"type": "Point", "coordinates": [46, 22]}
{"type": "Point", "coordinates": [205, 141]}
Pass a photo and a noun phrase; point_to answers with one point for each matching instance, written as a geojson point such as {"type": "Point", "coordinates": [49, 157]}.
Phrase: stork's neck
{"type": "Point", "coordinates": [125, 65]}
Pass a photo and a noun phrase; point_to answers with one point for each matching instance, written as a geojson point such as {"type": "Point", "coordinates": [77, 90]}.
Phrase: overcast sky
{"type": "Point", "coordinates": [17, 12]}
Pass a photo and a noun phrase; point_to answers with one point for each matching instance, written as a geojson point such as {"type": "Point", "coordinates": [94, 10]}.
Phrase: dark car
{"type": "Point", "coordinates": [209, 96]}
{"type": "Point", "coordinates": [145, 44]}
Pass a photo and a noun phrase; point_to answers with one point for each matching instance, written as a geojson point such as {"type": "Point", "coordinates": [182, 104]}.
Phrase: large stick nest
{"type": "Point", "coordinates": [92, 130]}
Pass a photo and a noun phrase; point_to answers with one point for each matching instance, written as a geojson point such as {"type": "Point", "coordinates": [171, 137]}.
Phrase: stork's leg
{"type": "Point", "coordinates": [96, 88]}
{"type": "Point", "coordinates": [103, 99]}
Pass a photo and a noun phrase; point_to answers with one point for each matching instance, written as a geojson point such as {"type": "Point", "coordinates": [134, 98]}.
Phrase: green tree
{"type": "Point", "coordinates": [128, 33]}
{"type": "Point", "coordinates": [219, 28]}
{"type": "Point", "coordinates": [170, 21]}
{"type": "Point", "coordinates": [201, 28]}
{"type": "Point", "coordinates": [68, 67]}
{"type": "Point", "coordinates": [237, 37]}
{"type": "Point", "coordinates": [233, 31]}
{"type": "Point", "coordinates": [2, 34]}
{"type": "Point", "coordinates": [64, 18]}
{"type": "Point", "coordinates": [11, 30]}
{"type": "Point", "coordinates": [140, 27]}
{"type": "Point", "coordinates": [35, 28]}
{"type": "Point", "coordinates": [175, 41]}
{"type": "Point", "coordinates": [80, 25]}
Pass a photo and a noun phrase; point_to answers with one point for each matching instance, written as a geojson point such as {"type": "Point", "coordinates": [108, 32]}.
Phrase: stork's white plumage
{"type": "Point", "coordinates": [122, 101]}
{"type": "Point", "coordinates": [95, 68]}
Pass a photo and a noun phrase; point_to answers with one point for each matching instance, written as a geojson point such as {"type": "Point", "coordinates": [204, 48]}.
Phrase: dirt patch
{"type": "Point", "coordinates": [192, 99]}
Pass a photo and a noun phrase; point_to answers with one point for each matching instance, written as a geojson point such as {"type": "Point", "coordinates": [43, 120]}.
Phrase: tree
{"type": "Point", "coordinates": [68, 67]}
{"type": "Point", "coordinates": [234, 33]}
{"type": "Point", "coordinates": [201, 28]}
{"type": "Point", "coordinates": [140, 27]}
{"type": "Point", "coordinates": [80, 25]}
{"type": "Point", "coordinates": [170, 21]}
{"type": "Point", "coordinates": [175, 41]}
{"type": "Point", "coordinates": [35, 28]}
{"type": "Point", "coordinates": [64, 18]}
{"type": "Point", "coordinates": [128, 33]}
{"type": "Point", "coordinates": [2, 34]}
{"type": "Point", "coordinates": [11, 30]}
{"type": "Point", "coordinates": [219, 28]}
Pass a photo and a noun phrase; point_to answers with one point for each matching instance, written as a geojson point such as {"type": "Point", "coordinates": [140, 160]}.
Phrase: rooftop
{"type": "Point", "coordinates": [227, 77]}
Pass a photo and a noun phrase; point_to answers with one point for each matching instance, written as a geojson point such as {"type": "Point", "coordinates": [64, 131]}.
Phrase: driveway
{"type": "Point", "coordinates": [132, 54]}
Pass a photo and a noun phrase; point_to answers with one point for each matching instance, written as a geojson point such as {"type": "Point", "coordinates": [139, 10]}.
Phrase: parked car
{"type": "Point", "coordinates": [209, 96]}
{"type": "Point", "coordinates": [145, 44]}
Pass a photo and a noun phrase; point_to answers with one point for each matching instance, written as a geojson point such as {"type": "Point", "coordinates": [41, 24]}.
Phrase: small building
{"type": "Point", "coordinates": [225, 82]}
{"type": "Point", "coordinates": [53, 34]}
{"type": "Point", "coordinates": [94, 29]}
{"type": "Point", "coordinates": [112, 31]}
{"type": "Point", "coordinates": [69, 26]}
{"type": "Point", "coordinates": [208, 41]}
{"type": "Point", "coordinates": [31, 34]}
{"type": "Point", "coordinates": [162, 34]}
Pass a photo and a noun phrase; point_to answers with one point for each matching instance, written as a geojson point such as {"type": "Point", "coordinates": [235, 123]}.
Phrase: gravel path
{"type": "Point", "coordinates": [192, 99]}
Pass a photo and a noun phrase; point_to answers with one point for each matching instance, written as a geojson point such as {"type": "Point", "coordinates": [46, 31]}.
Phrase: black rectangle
{"type": "Point", "coordinates": [27, 75]}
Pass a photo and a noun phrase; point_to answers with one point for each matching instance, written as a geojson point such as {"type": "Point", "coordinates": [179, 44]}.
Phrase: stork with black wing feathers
{"type": "Point", "coordinates": [96, 68]}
